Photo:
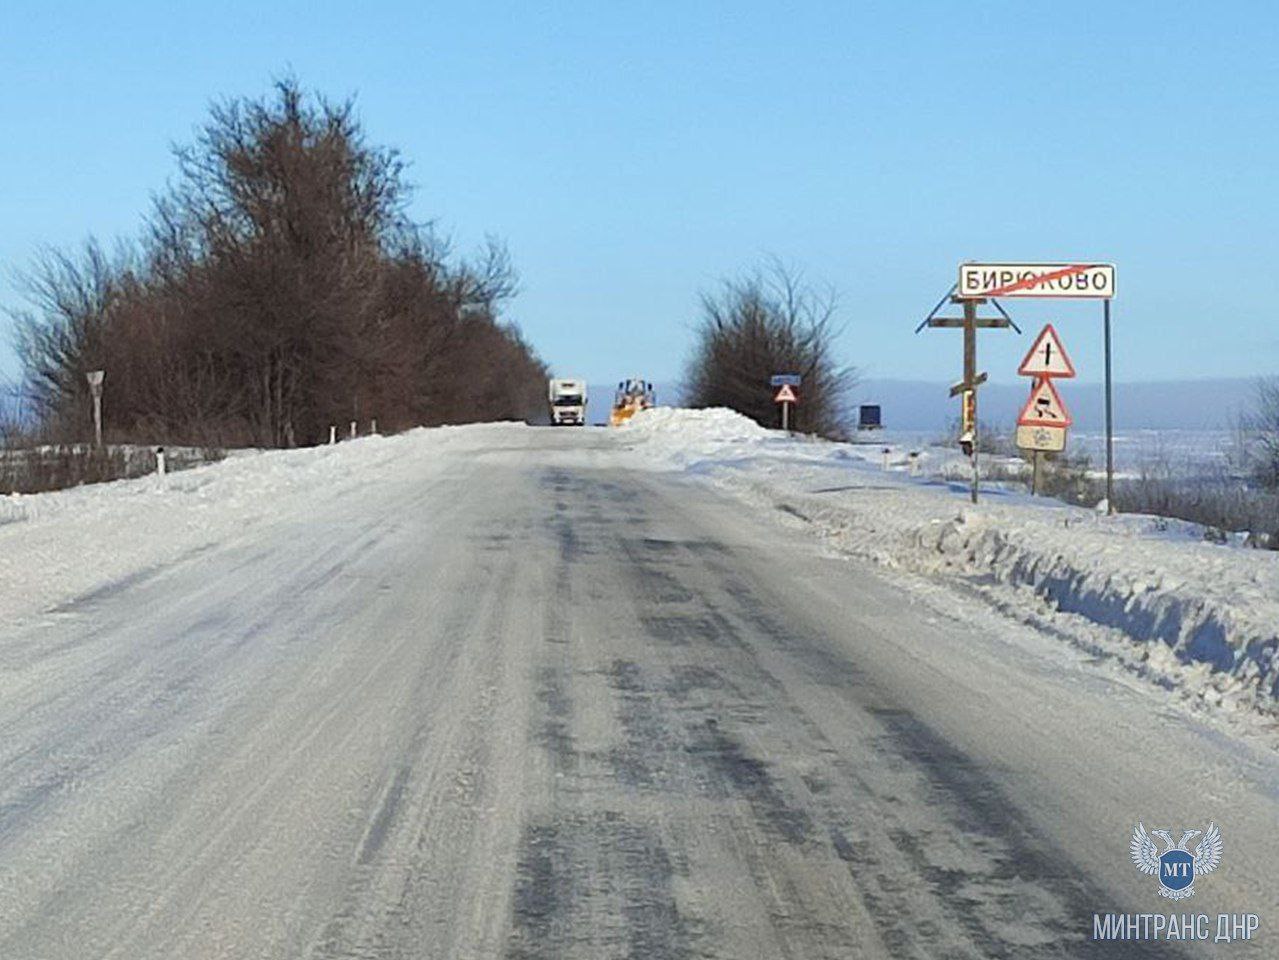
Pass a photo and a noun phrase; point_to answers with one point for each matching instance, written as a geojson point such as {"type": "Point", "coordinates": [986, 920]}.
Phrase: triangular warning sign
{"type": "Point", "coordinates": [1044, 408]}
{"type": "Point", "coordinates": [786, 395]}
{"type": "Point", "coordinates": [1047, 358]}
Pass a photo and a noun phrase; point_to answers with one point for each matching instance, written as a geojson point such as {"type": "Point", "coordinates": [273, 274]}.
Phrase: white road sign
{"type": "Point", "coordinates": [1071, 280]}
{"type": "Point", "coordinates": [1044, 408]}
{"type": "Point", "coordinates": [786, 395]}
{"type": "Point", "coordinates": [1047, 358]}
{"type": "Point", "coordinates": [1043, 439]}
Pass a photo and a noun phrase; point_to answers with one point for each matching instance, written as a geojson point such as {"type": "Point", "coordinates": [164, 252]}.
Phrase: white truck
{"type": "Point", "coordinates": [568, 402]}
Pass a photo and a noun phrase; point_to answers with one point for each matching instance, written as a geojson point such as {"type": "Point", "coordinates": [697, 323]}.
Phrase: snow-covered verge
{"type": "Point", "coordinates": [1202, 616]}
{"type": "Point", "coordinates": [58, 546]}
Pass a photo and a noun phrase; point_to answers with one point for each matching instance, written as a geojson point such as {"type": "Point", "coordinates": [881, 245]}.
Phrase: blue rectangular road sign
{"type": "Point", "coordinates": [784, 380]}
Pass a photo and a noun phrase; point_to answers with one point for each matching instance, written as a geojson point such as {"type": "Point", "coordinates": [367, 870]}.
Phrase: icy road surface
{"type": "Point", "coordinates": [511, 698]}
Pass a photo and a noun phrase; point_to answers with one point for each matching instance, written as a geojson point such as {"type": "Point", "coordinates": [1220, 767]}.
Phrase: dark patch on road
{"type": "Point", "coordinates": [598, 880]}
{"type": "Point", "coordinates": [794, 512]}
{"type": "Point", "coordinates": [744, 776]}
{"type": "Point", "coordinates": [688, 677]}
{"type": "Point", "coordinates": [114, 588]}
{"type": "Point", "coordinates": [683, 629]}
{"type": "Point", "coordinates": [1024, 884]}
{"type": "Point", "coordinates": [647, 751]}
{"type": "Point", "coordinates": [823, 663]}
{"type": "Point", "coordinates": [556, 736]}
{"type": "Point", "coordinates": [381, 825]}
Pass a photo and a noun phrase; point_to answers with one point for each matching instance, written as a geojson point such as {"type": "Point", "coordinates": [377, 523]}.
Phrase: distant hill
{"type": "Point", "coordinates": [1181, 405]}
{"type": "Point", "coordinates": [923, 405]}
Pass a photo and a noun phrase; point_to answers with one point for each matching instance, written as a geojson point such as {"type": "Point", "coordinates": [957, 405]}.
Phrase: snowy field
{"type": "Point", "coordinates": [1182, 453]}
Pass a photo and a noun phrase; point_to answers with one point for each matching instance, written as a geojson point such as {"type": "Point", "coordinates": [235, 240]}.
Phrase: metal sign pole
{"type": "Point", "coordinates": [786, 416]}
{"type": "Point", "coordinates": [1110, 423]}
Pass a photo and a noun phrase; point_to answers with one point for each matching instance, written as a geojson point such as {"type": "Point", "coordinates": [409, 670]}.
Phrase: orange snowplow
{"type": "Point", "coordinates": [632, 396]}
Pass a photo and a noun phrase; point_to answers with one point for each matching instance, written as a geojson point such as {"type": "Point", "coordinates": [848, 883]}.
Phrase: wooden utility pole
{"type": "Point", "coordinates": [970, 323]}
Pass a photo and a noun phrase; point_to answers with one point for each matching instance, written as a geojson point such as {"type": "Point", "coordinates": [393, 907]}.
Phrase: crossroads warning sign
{"type": "Point", "coordinates": [1092, 281]}
{"type": "Point", "coordinates": [1044, 408]}
{"type": "Point", "coordinates": [1047, 358]}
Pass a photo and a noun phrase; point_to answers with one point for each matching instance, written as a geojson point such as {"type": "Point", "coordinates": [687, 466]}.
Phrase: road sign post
{"type": "Point", "coordinates": [1110, 422]}
{"type": "Point", "coordinates": [1042, 425]}
{"type": "Point", "coordinates": [786, 395]}
{"type": "Point", "coordinates": [1085, 281]}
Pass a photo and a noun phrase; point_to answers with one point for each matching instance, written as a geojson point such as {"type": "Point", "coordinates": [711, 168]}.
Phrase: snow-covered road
{"type": "Point", "coordinates": [503, 694]}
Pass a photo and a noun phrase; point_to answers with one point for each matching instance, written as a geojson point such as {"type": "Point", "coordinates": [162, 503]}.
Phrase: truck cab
{"type": "Point", "coordinates": [567, 400]}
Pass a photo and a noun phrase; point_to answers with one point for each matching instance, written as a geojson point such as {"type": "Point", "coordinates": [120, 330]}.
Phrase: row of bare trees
{"type": "Point", "coordinates": [279, 287]}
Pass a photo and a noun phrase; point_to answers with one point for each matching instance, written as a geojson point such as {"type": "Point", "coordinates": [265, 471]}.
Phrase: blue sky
{"type": "Point", "coordinates": [632, 154]}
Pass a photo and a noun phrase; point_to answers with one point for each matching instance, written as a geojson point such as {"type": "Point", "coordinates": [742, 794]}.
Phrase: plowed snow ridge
{"type": "Point", "coordinates": [1207, 615]}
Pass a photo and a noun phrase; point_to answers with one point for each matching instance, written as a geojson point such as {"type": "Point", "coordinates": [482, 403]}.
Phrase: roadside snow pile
{"type": "Point", "coordinates": [57, 546]}
{"type": "Point", "coordinates": [684, 438]}
{"type": "Point", "coordinates": [709, 425]}
{"type": "Point", "coordinates": [1207, 611]}
{"type": "Point", "coordinates": [675, 431]}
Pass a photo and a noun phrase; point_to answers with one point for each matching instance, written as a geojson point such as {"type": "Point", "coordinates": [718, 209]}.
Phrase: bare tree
{"type": "Point", "coordinates": [769, 321]}
{"type": "Point", "coordinates": [1260, 429]}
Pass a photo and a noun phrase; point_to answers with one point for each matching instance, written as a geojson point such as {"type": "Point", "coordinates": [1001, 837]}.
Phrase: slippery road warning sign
{"type": "Point", "coordinates": [1044, 408]}
{"type": "Point", "coordinates": [786, 395]}
{"type": "Point", "coordinates": [1070, 280]}
{"type": "Point", "coordinates": [1047, 358]}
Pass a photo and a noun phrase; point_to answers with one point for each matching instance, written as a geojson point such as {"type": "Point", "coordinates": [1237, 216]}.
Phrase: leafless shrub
{"type": "Point", "coordinates": [769, 321]}
{"type": "Point", "coordinates": [36, 470]}
{"type": "Point", "coordinates": [1069, 478]}
{"type": "Point", "coordinates": [990, 439]}
{"type": "Point", "coordinates": [1220, 502]}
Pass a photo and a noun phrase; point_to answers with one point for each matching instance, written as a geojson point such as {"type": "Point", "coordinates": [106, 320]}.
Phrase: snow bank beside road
{"type": "Point", "coordinates": [1206, 613]}
{"type": "Point", "coordinates": [55, 547]}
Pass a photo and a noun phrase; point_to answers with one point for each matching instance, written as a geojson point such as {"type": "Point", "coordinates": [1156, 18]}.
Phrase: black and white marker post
{"type": "Point", "coordinates": [94, 377]}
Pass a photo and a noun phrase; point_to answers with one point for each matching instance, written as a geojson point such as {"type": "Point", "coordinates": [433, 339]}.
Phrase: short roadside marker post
{"type": "Point", "coordinates": [354, 428]}
{"type": "Point", "coordinates": [159, 461]}
{"type": "Point", "coordinates": [333, 434]}
{"type": "Point", "coordinates": [95, 387]}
